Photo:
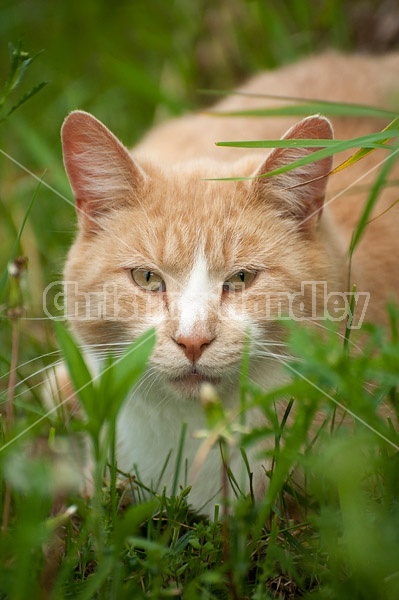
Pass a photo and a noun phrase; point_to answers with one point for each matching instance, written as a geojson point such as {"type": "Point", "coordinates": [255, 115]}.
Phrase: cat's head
{"type": "Point", "coordinates": [206, 261]}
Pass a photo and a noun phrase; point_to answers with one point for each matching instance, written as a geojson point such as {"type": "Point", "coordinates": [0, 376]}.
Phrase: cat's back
{"type": "Point", "coordinates": [331, 77]}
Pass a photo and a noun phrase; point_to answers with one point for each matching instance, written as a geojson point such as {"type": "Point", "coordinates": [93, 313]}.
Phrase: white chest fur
{"type": "Point", "coordinates": [148, 436]}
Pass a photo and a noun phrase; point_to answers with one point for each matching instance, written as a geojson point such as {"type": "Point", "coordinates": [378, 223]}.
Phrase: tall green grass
{"type": "Point", "coordinates": [132, 64]}
{"type": "Point", "coordinates": [343, 542]}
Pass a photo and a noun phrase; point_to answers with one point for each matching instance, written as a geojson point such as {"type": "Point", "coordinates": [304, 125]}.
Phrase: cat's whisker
{"type": "Point", "coordinates": [102, 355]}
{"type": "Point", "coordinates": [164, 400]}
{"type": "Point", "coordinates": [148, 375]}
{"type": "Point", "coordinates": [29, 389]}
{"type": "Point", "coordinates": [32, 360]}
{"type": "Point", "coordinates": [49, 412]}
{"type": "Point", "coordinates": [90, 217]}
{"type": "Point", "coordinates": [339, 334]}
{"type": "Point", "coordinates": [37, 373]}
{"type": "Point", "coordinates": [265, 349]}
{"type": "Point", "coordinates": [273, 357]}
{"type": "Point", "coordinates": [104, 345]}
{"type": "Point", "coordinates": [354, 182]}
{"type": "Point", "coordinates": [269, 343]}
{"type": "Point", "coordinates": [28, 319]}
{"type": "Point", "coordinates": [269, 353]}
{"type": "Point", "coordinates": [151, 377]}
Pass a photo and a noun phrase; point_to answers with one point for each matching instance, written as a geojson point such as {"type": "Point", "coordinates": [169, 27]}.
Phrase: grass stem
{"type": "Point", "coordinates": [10, 412]}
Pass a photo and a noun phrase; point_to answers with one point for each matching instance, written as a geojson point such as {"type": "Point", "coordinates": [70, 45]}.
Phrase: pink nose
{"type": "Point", "coordinates": [193, 347]}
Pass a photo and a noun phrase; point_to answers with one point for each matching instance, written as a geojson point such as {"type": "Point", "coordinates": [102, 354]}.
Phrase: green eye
{"type": "Point", "coordinates": [239, 281]}
{"type": "Point", "coordinates": [148, 280]}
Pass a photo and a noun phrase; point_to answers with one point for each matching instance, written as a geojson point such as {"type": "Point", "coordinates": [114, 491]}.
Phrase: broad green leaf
{"type": "Point", "coordinates": [120, 375]}
{"type": "Point", "coordinates": [153, 548]}
{"type": "Point", "coordinates": [129, 524]}
{"type": "Point", "coordinates": [80, 375]}
{"type": "Point", "coordinates": [93, 584]}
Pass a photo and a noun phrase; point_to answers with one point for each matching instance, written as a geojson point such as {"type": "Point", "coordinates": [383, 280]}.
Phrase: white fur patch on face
{"type": "Point", "coordinates": [194, 302]}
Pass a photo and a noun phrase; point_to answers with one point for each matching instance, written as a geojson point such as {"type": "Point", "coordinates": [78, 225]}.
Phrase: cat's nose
{"type": "Point", "coordinates": [193, 346]}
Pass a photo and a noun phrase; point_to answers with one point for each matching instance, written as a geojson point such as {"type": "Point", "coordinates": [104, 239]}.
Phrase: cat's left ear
{"type": "Point", "coordinates": [300, 192]}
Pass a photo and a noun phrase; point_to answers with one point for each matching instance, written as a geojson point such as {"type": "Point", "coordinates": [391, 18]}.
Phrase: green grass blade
{"type": "Point", "coordinates": [331, 147]}
{"type": "Point", "coordinates": [41, 153]}
{"type": "Point", "coordinates": [4, 277]}
{"type": "Point", "coordinates": [349, 320]}
{"type": "Point", "coordinates": [392, 127]}
{"type": "Point", "coordinates": [390, 207]}
{"type": "Point", "coordinates": [80, 375]}
{"type": "Point", "coordinates": [373, 140]}
{"type": "Point", "coordinates": [305, 109]}
{"type": "Point", "coordinates": [93, 584]}
{"type": "Point", "coordinates": [19, 63]}
{"type": "Point", "coordinates": [373, 196]}
{"type": "Point", "coordinates": [179, 458]}
{"type": "Point", "coordinates": [119, 376]}
{"type": "Point", "coordinates": [27, 96]}
{"type": "Point", "coordinates": [130, 522]}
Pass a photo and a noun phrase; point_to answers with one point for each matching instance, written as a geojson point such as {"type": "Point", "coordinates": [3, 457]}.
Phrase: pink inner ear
{"type": "Point", "coordinates": [309, 128]}
{"type": "Point", "coordinates": [315, 127]}
{"type": "Point", "coordinates": [93, 157]}
{"type": "Point", "coordinates": [72, 145]}
{"type": "Point", "coordinates": [307, 183]}
{"type": "Point", "coordinates": [100, 170]}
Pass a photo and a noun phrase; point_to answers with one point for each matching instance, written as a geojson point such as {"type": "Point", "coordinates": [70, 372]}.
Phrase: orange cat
{"type": "Point", "coordinates": [162, 243]}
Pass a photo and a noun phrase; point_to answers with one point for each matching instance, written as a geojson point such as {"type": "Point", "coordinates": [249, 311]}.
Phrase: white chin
{"type": "Point", "coordinates": [189, 385]}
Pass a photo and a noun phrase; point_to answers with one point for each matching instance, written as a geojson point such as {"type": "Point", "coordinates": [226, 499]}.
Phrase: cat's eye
{"type": "Point", "coordinates": [239, 281]}
{"type": "Point", "coordinates": [148, 280]}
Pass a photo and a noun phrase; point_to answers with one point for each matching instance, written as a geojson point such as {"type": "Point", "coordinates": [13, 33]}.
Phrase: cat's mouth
{"type": "Point", "coordinates": [194, 378]}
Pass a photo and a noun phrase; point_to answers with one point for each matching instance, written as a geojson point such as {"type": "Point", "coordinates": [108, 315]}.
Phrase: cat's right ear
{"type": "Point", "coordinates": [297, 193]}
{"type": "Point", "coordinates": [102, 174]}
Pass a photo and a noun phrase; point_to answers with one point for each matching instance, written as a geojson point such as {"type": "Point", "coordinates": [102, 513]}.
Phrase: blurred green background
{"type": "Point", "coordinates": [133, 63]}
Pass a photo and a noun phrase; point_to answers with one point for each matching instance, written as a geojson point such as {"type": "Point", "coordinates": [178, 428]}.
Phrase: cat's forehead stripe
{"type": "Point", "coordinates": [193, 300]}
